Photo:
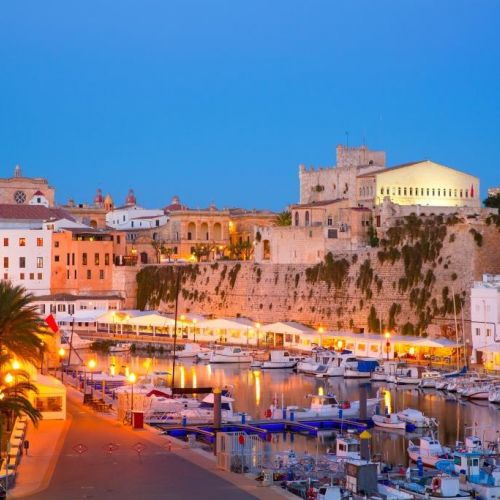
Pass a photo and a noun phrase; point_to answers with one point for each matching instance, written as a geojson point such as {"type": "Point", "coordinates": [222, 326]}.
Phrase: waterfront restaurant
{"type": "Point", "coordinates": [292, 335]}
{"type": "Point", "coordinates": [229, 331]}
{"type": "Point", "coordinates": [491, 357]}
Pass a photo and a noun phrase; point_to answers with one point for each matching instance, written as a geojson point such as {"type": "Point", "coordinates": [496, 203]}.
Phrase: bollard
{"type": "Point", "coordinates": [292, 416]}
{"type": "Point", "coordinates": [184, 421]}
{"type": "Point", "coordinates": [243, 418]}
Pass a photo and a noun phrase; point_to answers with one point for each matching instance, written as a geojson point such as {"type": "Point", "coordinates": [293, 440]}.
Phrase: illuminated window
{"type": "Point", "coordinates": [39, 242]}
{"type": "Point", "coordinates": [6, 242]}
{"type": "Point", "coordinates": [22, 242]}
{"type": "Point", "coordinates": [39, 262]}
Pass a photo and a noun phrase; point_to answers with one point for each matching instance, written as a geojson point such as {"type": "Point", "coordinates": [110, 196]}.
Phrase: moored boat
{"type": "Point", "coordinates": [391, 421]}
{"type": "Point", "coordinates": [230, 354]}
{"type": "Point", "coordinates": [417, 418]}
{"type": "Point", "coordinates": [277, 360]}
{"type": "Point", "coordinates": [429, 450]}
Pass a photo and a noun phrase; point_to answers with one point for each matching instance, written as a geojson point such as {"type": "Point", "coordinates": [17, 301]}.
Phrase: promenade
{"type": "Point", "coordinates": [94, 456]}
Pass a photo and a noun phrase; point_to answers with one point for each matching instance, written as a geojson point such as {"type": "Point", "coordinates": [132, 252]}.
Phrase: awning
{"type": "Point", "coordinates": [436, 343]}
{"type": "Point", "coordinates": [227, 324]}
{"type": "Point", "coordinates": [152, 319]}
{"type": "Point", "coordinates": [120, 316]}
{"type": "Point", "coordinates": [490, 348]}
{"type": "Point", "coordinates": [80, 316]}
{"type": "Point", "coordinates": [288, 328]}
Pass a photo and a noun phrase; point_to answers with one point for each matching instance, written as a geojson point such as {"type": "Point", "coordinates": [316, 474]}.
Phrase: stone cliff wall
{"type": "Point", "coordinates": [412, 282]}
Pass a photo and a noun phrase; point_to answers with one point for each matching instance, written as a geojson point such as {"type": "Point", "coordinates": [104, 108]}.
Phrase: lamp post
{"type": "Point", "coordinates": [257, 326]}
{"type": "Point", "coordinates": [61, 358]}
{"type": "Point", "coordinates": [91, 364]}
{"type": "Point", "coordinates": [132, 379]}
{"type": "Point", "coordinates": [387, 343]}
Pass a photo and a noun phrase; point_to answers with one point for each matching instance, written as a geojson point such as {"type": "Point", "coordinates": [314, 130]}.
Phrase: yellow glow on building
{"type": "Point", "coordinates": [257, 387]}
{"type": "Point", "coordinates": [321, 391]}
{"type": "Point", "coordinates": [388, 401]}
{"type": "Point", "coordinates": [183, 376]}
{"type": "Point", "coordinates": [193, 376]}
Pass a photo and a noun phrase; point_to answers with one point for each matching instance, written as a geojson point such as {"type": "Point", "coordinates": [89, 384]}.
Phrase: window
{"type": "Point", "coordinates": [330, 221]}
{"type": "Point", "coordinates": [67, 274]}
{"type": "Point", "coordinates": [428, 192]}
{"type": "Point", "coordinates": [72, 259]}
{"type": "Point", "coordinates": [433, 192]}
{"type": "Point", "coordinates": [42, 308]}
{"type": "Point", "coordinates": [404, 191]}
{"type": "Point", "coordinates": [39, 276]}
{"type": "Point", "coordinates": [39, 242]}
{"type": "Point", "coordinates": [296, 218]}
{"type": "Point", "coordinates": [190, 236]}
{"type": "Point", "coordinates": [411, 191]}
{"type": "Point", "coordinates": [449, 193]}
{"type": "Point", "coordinates": [381, 190]}
{"type": "Point", "coordinates": [488, 332]}
{"type": "Point", "coordinates": [39, 262]}
{"type": "Point", "coordinates": [399, 191]}
{"type": "Point", "coordinates": [106, 259]}
{"type": "Point", "coordinates": [84, 258]}
{"type": "Point", "coordinates": [89, 274]}
{"type": "Point", "coordinates": [6, 242]}
{"type": "Point", "coordinates": [101, 274]}
{"type": "Point", "coordinates": [455, 193]}
{"type": "Point", "coordinates": [466, 193]}
{"type": "Point", "coordinates": [444, 192]}
{"type": "Point", "coordinates": [5, 276]}
{"type": "Point", "coordinates": [67, 259]}
{"type": "Point", "coordinates": [56, 258]}
{"type": "Point", "coordinates": [332, 234]}
{"type": "Point", "coordinates": [22, 242]}
{"type": "Point", "coordinates": [361, 347]}
{"type": "Point", "coordinates": [439, 192]}
{"type": "Point", "coordinates": [461, 193]}
{"type": "Point", "coordinates": [5, 262]}
{"type": "Point", "coordinates": [22, 262]}
{"type": "Point", "coordinates": [75, 275]}
{"type": "Point", "coordinates": [421, 191]}
{"type": "Point", "coordinates": [118, 239]}
{"type": "Point", "coordinates": [61, 307]}
{"type": "Point", "coordinates": [96, 259]}
{"type": "Point", "coordinates": [32, 276]}
{"type": "Point", "coordinates": [158, 223]}
{"type": "Point", "coordinates": [56, 244]}
{"type": "Point", "coordinates": [307, 218]}
{"type": "Point", "coordinates": [21, 276]}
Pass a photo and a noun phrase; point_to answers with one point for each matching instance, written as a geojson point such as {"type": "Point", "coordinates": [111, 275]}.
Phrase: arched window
{"type": "Point", "coordinates": [296, 218]}
{"type": "Point", "coordinates": [307, 218]}
{"type": "Point", "coordinates": [381, 190]}
{"type": "Point", "coordinates": [466, 193]}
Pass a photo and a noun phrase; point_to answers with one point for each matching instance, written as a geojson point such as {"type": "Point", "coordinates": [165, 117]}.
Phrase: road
{"type": "Point", "coordinates": [123, 473]}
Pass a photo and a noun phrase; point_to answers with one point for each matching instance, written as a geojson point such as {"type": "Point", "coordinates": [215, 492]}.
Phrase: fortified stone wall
{"type": "Point", "coordinates": [408, 283]}
{"type": "Point", "coordinates": [124, 282]}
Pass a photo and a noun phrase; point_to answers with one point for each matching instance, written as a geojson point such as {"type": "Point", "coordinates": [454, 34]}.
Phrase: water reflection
{"type": "Point", "coordinates": [254, 392]}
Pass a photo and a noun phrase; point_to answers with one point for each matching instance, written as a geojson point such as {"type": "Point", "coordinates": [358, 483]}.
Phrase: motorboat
{"type": "Point", "coordinates": [429, 378]}
{"type": "Point", "coordinates": [494, 394]}
{"type": "Point", "coordinates": [120, 347]}
{"type": "Point", "coordinates": [417, 418]}
{"type": "Point", "coordinates": [191, 350]}
{"type": "Point", "coordinates": [277, 360]}
{"type": "Point", "coordinates": [408, 375]}
{"type": "Point", "coordinates": [323, 406]}
{"type": "Point", "coordinates": [391, 421]}
{"type": "Point", "coordinates": [430, 451]}
{"type": "Point", "coordinates": [230, 354]}
{"type": "Point", "coordinates": [477, 391]}
{"type": "Point", "coordinates": [337, 365]}
{"type": "Point", "coordinates": [383, 370]}
{"type": "Point", "coordinates": [156, 402]}
{"type": "Point", "coordinates": [155, 381]}
{"type": "Point", "coordinates": [362, 370]}
{"type": "Point", "coordinates": [317, 363]}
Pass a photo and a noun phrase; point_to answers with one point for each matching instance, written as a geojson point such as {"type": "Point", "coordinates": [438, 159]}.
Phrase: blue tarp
{"type": "Point", "coordinates": [367, 365]}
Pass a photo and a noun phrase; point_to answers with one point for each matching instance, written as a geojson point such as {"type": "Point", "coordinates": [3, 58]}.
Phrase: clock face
{"type": "Point", "coordinates": [20, 197]}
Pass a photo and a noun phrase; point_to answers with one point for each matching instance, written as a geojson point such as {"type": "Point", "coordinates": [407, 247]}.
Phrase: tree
{"type": "Point", "coordinates": [201, 250]}
{"type": "Point", "coordinates": [159, 249]}
{"type": "Point", "coordinates": [242, 250]}
{"type": "Point", "coordinates": [493, 201]}
{"type": "Point", "coordinates": [21, 330]}
{"type": "Point", "coordinates": [284, 218]}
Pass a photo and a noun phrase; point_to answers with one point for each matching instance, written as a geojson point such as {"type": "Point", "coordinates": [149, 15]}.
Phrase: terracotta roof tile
{"type": "Point", "coordinates": [32, 212]}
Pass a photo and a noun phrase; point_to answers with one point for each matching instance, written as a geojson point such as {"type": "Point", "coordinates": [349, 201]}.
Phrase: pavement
{"type": "Point", "coordinates": [93, 456]}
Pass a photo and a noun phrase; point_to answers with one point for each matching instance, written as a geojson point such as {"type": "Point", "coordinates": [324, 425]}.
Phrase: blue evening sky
{"type": "Point", "coordinates": [222, 100]}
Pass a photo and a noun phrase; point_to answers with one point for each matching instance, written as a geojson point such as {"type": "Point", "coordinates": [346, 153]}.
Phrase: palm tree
{"type": "Point", "coordinates": [284, 218]}
{"type": "Point", "coordinates": [20, 326]}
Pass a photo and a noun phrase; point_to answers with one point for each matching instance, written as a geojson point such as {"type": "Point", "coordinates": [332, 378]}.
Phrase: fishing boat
{"type": "Point", "coordinates": [120, 347]}
{"type": "Point", "coordinates": [277, 360]}
{"type": "Point", "coordinates": [323, 406]}
{"type": "Point", "coordinates": [417, 418]}
{"type": "Point", "coordinates": [429, 450]}
{"type": "Point", "coordinates": [347, 447]}
{"type": "Point", "coordinates": [434, 486]}
{"type": "Point", "coordinates": [230, 354]}
{"type": "Point", "coordinates": [429, 378]}
{"type": "Point", "coordinates": [391, 421]}
{"type": "Point", "coordinates": [191, 350]}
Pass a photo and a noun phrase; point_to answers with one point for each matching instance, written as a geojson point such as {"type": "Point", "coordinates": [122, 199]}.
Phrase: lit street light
{"type": "Point", "coordinates": [132, 379]}
{"type": "Point", "coordinates": [387, 344]}
{"type": "Point", "coordinates": [61, 358]}
{"type": "Point", "coordinates": [91, 365]}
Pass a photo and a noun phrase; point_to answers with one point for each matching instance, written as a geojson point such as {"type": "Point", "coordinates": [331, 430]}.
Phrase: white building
{"type": "Point", "coordinates": [485, 321]}
{"type": "Point", "coordinates": [135, 217]}
{"type": "Point", "coordinates": [25, 258]}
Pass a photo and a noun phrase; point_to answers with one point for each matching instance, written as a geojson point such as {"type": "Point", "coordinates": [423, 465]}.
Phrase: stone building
{"type": "Point", "coordinates": [22, 190]}
{"type": "Point", "coordinates": [94, 214]}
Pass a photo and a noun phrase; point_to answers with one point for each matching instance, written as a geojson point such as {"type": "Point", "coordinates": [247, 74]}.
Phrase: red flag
{"type": "Point", "coordinates": [51, 321]}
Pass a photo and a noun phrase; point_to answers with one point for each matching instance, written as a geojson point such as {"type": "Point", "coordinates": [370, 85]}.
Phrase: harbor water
{"type": "Point", "coordinates": [255, 391]}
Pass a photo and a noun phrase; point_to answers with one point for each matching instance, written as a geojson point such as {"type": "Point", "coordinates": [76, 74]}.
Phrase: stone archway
{"type": "Point", "coordinates": [191, 231]}
{"type": "Point", "coordinates": [204, 234]}
{"type": "Point", "coordinates": [217, 231]}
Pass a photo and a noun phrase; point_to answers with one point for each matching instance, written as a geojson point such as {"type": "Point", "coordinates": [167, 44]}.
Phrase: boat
{"type": "Point", "coordinates": [155, 381]}
{"type": "Point", "coordinates": [408, 375]}
{"type": "Point", "coordinates": [120, 347]}
{"type": "Point", "coordinates": [477, 391]}
{"type": "Point", "coordinates": [230, 354]}
{"type": "Point", "coordinates": [317, 363]}
{"type": "Point", "coordinates": [434, 486]}
{"type": "Point", "coordinates": [363, 369]}
{"type": "Point", "coordinates": [417, 418]}
{"type": "Point", "coordinates": [191, 350]}
{"type": "Point", "coordinates": [429, 450]}
{"type": "Point", "coordinates": [494, 394]}
{"type": "Point", "coordinates": [391, 421]}
{"type": "Point", "coordinates": [277, 360]}
{"type": "Point", "coordinates": [428, 379]}
{"type": "Point", "coordinates": [347, 447]}
{"type": "Point", "coordinates": [77, 343]}
{"type": "Point", "coordinates": [323, 406]}
{"type": "Point", "coordinates": [384, 370]}
{"type": "Point", "coordinates": [479, 474]}
{"type": "Point", "coordinates": [337, 365]}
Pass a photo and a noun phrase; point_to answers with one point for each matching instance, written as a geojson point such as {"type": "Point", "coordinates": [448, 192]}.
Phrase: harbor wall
{"type": "Point", "coordinates": [411, 284]}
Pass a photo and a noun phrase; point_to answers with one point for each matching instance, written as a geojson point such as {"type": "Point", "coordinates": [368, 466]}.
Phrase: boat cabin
{"type": "Point", "coordinates": [348, 447]}
{"type": "Point", "coordinates": [318, 402]}
{"type": "Point", "coordinates": [430, 446]}
{"type": "Point", "coordinates": [431, 374]}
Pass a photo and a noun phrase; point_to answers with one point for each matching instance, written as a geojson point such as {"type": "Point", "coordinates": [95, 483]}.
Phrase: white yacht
{"type": "Point", "coordinates": [429, 378]}
{"type": "Point", "coordinates": [391, 421]}
{"type": "Point", "coordinates": [230, 354]}
{"type": "Point", "coordinates": [337, 365]}
{"type": "Point", "coordinates": [417, 418]}
{"type": "Point", "coordinates": [191, 350]}
{"type": "Point", "coordinates": [317, 363]}
{"type": "Point", "coordinates": [120, 347]}
{"type": "Point", "coordinates": [277, 360]}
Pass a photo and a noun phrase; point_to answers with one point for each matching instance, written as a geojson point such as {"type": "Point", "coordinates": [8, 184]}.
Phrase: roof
{"type": "Point", "coordinates": [32, 212]}
{"type": "Point", "coordinates": [318, 203]}
{"type": "Point", "coordinates": [38, 193]}
{"type": "Point", "coordinates": [287, 327]}
{"type": "Point", "coordinates": [69, 297]}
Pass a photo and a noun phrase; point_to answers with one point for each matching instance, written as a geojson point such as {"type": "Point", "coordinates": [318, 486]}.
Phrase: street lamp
{"type": "Point", "coordinates": [61, 357]}
{"type": "Point", "coordinates": [387, 343]}
{"type": "Point", "coordinates": [91, 364]}
{"type": "Point", "coordinates": [132, 379]}
{"type": "Point", "coordinates": [9, 378]}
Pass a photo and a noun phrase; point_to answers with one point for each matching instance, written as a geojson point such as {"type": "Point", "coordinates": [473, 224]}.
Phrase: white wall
{"type": "Point", "coordinates": [36, 279]}
{"type": "Point", "coordinates": [133, 218]}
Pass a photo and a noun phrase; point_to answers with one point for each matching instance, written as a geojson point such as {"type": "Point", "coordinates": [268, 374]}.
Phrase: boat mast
{"type": "Point", "coordinates": [456, 326]}
{"type": "Point", "coordinates": [177, 286]}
